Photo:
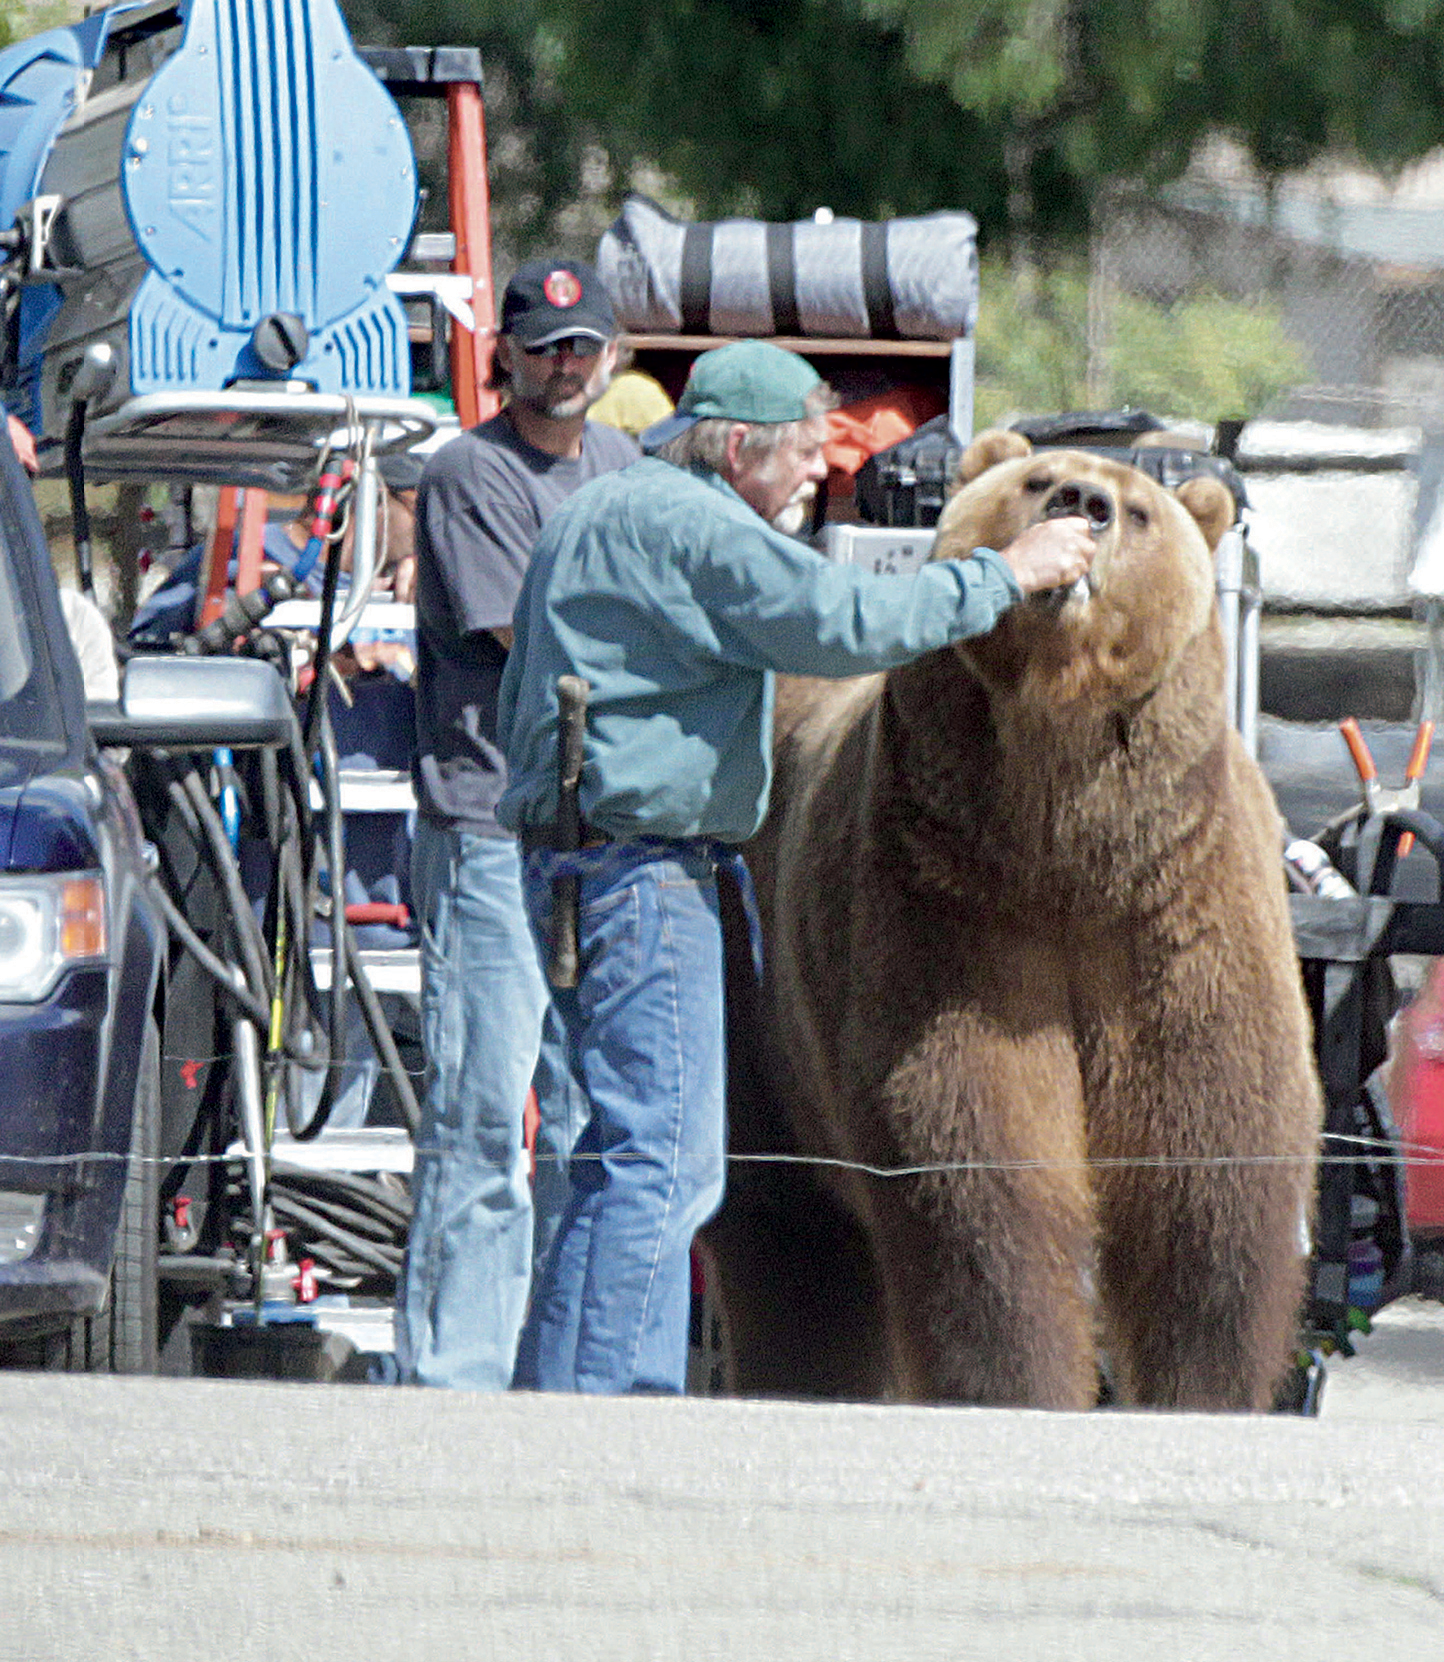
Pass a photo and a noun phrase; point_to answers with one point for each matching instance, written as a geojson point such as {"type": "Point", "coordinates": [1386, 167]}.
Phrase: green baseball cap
{"type": "Point", "coordinates": [747, 380]}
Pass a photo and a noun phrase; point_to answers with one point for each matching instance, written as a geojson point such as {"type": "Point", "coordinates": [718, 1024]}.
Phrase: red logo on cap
{"type": "Point", "coordinates": [562, 289]}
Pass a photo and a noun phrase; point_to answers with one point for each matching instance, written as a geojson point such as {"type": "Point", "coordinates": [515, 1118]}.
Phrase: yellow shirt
{"type": "Point", "coordinates": [633, 402]}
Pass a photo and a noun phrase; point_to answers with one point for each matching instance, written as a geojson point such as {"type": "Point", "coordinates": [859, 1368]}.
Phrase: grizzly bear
{"type": "Point", "coordinates": [1037, 1101]}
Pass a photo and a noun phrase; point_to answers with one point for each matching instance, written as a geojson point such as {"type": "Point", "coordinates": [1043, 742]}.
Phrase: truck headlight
{"type": "Point", "coordinates": [21, 1218]}
{"type": "Point", "coordinates": [48, 922]}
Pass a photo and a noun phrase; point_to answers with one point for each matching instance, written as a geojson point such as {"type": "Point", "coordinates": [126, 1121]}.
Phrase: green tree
{"type": "Point", "coordinates": [743, 105]}
{"type": "Point", "coordinates": [536, 145]}
{"type": "Point", "coordinates": [1127, 85]}
{"type": "Point", "coordinates": [1200, 359]}
{"type": "Point", "coordinates": [1014, 109]}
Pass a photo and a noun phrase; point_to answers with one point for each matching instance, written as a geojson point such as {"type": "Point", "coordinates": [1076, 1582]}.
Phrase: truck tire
{"type": "Point", "coordinates": [122, 1337]}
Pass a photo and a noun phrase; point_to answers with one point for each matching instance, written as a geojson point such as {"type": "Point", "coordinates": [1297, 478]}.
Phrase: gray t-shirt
{"type": "Point", "coordinates": [481, 502]}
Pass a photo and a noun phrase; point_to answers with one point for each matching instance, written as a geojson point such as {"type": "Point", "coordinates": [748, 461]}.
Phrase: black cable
{"type": "Point", "coordinates": [336, 866]}
{"type": "Point", "coordinates": [221, 972]}
{"type": "Point", "coordinates": [270, 769]}
{"type": "Point", "coordinates": [217, 846]}
{"type": "Point", "coordinates": [288, 820]}
{"type": "Point", "coordinates": [302, 998]}
{"type": "Point", "coordinates": [239, 616]}
{"type": "Point", "coordinates": [254, 1009]}
{"type": "Point", "coordinates": [363, 1224]}
{"type": "Point", "coordinates": [382, 1037]}
{"type": "Point", "coordinates": [379, 1196]}
{"type": "Point", "coordinates": [79, 510]}
{"type": "Point", "coordinates": [1426, 829]}
{"type": "Point", "coordinates": [345, 957]}
{"type": "Point", "coordinates": [334, 826]}
{"type": "Point", "coordinates": [197, 813]}
{"type": "Point", "coordinates": [388, 1263]}
{"type": "Point", "coordinates": [321, 661]}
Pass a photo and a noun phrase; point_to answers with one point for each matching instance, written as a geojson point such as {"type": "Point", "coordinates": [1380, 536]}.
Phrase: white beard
{"type": "Point", "coordinates": [795, 516]}
{"type": "Point", "coordinates": [791, 520]}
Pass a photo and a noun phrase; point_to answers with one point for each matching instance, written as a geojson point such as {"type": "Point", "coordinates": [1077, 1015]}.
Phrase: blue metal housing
{"type": "Point", "coordinates": [230, 185]}
{"type": "Point", "coordinates": [267, 172]}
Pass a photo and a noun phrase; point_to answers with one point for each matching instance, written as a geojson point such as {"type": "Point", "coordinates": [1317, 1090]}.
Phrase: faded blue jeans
{"type": "Point", "coordinates": [478, 1223]}
{"type": "Point", "coordinates": [645, 1039]}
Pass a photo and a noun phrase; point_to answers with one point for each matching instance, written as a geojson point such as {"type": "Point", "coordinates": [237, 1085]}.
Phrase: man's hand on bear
{"type": "Point", "coordinates": [1053, 554]}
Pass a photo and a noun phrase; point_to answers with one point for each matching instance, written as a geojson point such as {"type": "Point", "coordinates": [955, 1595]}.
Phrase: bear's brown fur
{"type": "Point", "coordinates": [1028, 940]}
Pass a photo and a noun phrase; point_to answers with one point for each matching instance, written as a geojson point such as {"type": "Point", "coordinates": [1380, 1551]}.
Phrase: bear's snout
{"type": "Point", "coordinates": [1083, 501]}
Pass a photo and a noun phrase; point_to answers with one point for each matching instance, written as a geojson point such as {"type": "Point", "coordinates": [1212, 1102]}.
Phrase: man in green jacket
{"type": "Point", "coordinates": [667, 589]}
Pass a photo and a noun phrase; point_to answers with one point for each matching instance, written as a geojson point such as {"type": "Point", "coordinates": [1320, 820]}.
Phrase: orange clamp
{"type": "Point", "coordinates": [1369, 774]}
{"type": "Point", "coordinates": [1358, 749]}
{"type": "Point", "coordinates": [1418, 761]}
{"type": "Point", "coordinates": [1419, 756]}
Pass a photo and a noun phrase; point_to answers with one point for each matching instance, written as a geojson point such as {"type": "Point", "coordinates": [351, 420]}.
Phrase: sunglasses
{"type": "Point", "coordinates": [580, 346]}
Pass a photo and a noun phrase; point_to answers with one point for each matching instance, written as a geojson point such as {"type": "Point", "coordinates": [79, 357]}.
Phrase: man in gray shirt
{"type": "Point", "coordinates": [487, 1026]}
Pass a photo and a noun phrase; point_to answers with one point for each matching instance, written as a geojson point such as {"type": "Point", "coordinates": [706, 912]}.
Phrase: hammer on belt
{"type": "Point", "coordinates": [572, 694]}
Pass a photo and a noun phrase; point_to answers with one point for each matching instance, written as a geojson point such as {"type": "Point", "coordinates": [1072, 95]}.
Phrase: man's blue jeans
{"type": "Point", "coordinates": [474, 1227]}
{"type": "Point", "coordinates": [645, 1039]}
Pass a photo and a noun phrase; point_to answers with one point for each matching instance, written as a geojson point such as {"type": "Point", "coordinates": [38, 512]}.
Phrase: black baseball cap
{"type": "Point", "coordinates": [549, 300]}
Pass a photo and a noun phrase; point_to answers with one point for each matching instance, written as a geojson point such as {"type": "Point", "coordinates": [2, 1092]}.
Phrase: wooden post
{"type": "Point", "coordinates": [215, 568]}
{"type": "Point", "coordinates": [248, 544]}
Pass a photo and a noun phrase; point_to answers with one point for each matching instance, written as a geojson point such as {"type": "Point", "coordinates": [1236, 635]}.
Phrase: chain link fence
{"type": "Point", "coordinates": [1312, 312]}
{"type": "Point", "coordinates": [1352, 275]}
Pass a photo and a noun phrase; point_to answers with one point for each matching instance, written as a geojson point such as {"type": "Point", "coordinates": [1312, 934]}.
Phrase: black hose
{"type": "Point", "coordinates": [378, 1196]}
{"type": "Point", "coordinates": [79, 511]}
{"type": "Point", "coordinates": [1384, 835]}
{"type": "Point", "coordinates": [366, 1226]}
{"type": "Point", "coordinates": [302, 998]}
{"type": "Point", "coordinates": [288, 816]}
{"type": "Point", "coordinates": [1426, 829]}
{"type": "Point", "coordinates": [196, 812]}
{"type": "Point", "coordinates": [388, 1263]}
{"type": "Point", "coordinates": [253, 1008]}
{"type": "Point", "coordinates": [270, 769]}
{"type": "Point", "coordinates": [334, 825]}
{"type": "Point", "coordinates": [345, 957]}
{"type": "Point", "coordinates": [217, 847]}
{"type": "Point", "coordinates": [336, 866]}
{"type": "Point", "coordinates": [321, 662]}
{"type": "Point", "coordinates": [382, 1038]}
{"type": "Point", "coordinates": [239, 616]}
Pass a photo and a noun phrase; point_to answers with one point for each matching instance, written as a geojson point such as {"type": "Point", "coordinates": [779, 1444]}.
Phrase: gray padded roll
{"type": "Point", "coordinates": [908, 279]}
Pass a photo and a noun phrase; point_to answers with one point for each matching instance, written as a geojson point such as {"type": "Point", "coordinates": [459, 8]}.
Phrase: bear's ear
{"type": "Point", "coordinates": [1211, 503]}
{"type": "Point", "coordinates": [987, 450]}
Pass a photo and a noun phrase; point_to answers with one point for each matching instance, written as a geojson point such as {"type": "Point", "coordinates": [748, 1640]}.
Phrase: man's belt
{"type": "Point", "coordinates": [533, 837]}
{"type": "Point", "coordinates": [609, 857]}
